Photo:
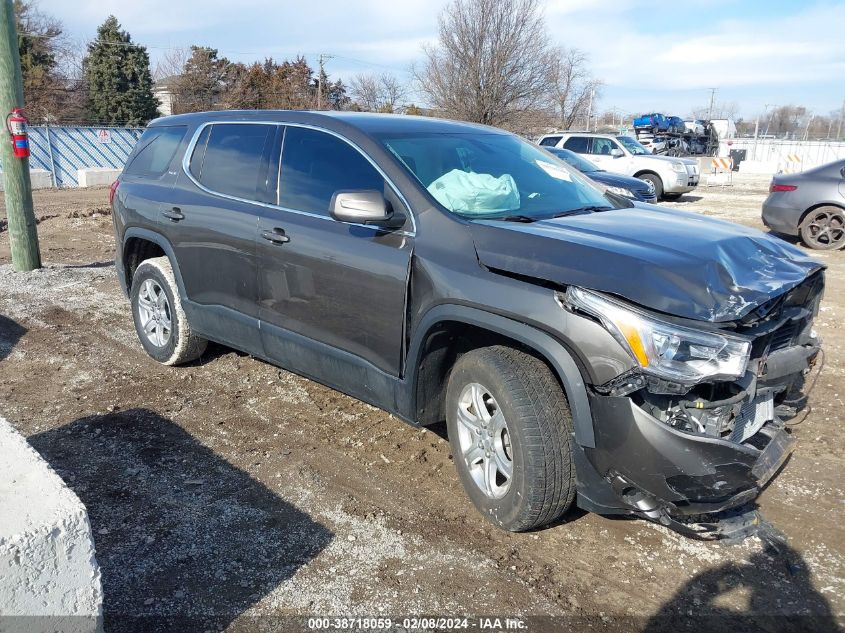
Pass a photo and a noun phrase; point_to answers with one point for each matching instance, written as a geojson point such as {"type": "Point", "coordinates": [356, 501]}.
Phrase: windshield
{"type": "Point", "coordinates": [578, 162]}
{"type": "Point", "coordinates": [493, 175]}
{"type": "Point", "coordinates": [632, 146]}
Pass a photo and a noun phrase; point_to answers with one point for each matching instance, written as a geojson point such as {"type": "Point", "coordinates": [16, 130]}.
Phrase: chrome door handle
{"type": "Point", "coordinates": [277, 236]}
{"type": "Point", "coordinates": [175, 214]}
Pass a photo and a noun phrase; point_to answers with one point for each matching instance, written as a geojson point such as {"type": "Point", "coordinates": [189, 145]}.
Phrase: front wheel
{"type": "Point", "coordinates": [655, 180]}
{"type": "Point", "coordinates": [824, 228]}
{"type": "Point", "coordinates": [510, 431]}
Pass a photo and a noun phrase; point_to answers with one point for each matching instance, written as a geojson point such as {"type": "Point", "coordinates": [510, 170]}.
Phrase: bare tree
{"type": "Point", "coordinates": [575, 89]}
{"type": "Point", "coordinates": [384, 93]}
{"type": "Point", "coordinates": [721, 110]}
{"type": "Point", "coordinates": [172, 63]}
{"type": "Point", "coordinates": [491, 62]}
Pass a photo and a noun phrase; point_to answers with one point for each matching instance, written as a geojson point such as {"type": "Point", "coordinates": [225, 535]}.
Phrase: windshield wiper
{"type": "Point", "coordinates": [586, 209]}
{"type": "Point", "coordinates": [519, 218]}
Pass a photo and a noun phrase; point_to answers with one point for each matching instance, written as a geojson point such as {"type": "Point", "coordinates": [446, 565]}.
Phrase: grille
{"type": "Point", "coordinates": [784, 336]}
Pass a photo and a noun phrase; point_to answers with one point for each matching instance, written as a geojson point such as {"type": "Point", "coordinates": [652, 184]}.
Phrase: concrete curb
{"type": "Point", "coordinates": [49, 577]}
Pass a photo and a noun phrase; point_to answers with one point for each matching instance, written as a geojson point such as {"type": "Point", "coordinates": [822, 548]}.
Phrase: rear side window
{"type": "Point", "coordinates": [232, 160]}
{"type": "Point", "coordinates": [577, 144]}
{"type": "Point", "coordinates": [550, 141]}
{"type": "Point", "coordinates": [316, 165]}
{"type": "Point", "coordinates": [155, 151]}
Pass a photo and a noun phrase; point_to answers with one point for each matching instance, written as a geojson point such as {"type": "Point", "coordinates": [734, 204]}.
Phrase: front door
{"type": "Point", "coordinates": [331, 295]}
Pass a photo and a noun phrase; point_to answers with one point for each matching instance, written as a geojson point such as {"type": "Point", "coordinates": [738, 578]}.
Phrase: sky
{"type": "Point", "coordinates": [652, 56]}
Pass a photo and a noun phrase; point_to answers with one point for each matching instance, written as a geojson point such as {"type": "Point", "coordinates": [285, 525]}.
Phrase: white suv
{"type": "Point", "coordinates": [671, 177]}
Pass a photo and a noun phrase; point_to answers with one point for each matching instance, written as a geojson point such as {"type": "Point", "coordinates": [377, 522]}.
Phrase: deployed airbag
{"type": "Point", "coordinates": [471, 193]}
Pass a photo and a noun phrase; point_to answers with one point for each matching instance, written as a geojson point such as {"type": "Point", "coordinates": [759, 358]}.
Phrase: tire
{"type": "Point", "coordinates": [672, 196]}
{"type": "Point", "coordinates": [160, 321]}
{"type": "Point", "coordinates": [656, 181]}
{"type": "Point", "coordinates": [824, 228]}
{"type": "Point", "coordinates": [528, 421]}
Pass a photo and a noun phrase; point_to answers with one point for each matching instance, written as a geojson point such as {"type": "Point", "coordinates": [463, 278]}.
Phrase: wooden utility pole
{"type": "Point", "coordinates": [323, 57]}
{"type": "Point", "coordinates": [17, 188]}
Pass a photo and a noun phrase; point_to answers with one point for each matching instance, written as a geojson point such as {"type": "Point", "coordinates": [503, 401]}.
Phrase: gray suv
{"type": "Point", "coordinates": [581, 347]}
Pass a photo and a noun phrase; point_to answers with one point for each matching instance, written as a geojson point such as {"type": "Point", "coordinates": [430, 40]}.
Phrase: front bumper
{"type": "Point", "coordinates": [655, 469]}
{"type": "Point", "coordinates": [682, 183]}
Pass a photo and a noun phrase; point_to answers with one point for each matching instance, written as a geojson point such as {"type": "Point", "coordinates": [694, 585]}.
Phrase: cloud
{"type": "Point", "coordinates": [765, 49]}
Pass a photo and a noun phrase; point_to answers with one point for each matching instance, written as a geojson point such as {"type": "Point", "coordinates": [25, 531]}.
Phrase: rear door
{"type": "Point", "coordinates": [147, 179]}
{"type": "Point", "coordinates": [338, 285]}
{"type": "Point", "coordinates": [212, 223]}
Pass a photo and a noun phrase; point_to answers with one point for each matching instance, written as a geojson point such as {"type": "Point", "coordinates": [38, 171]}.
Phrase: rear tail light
{"type": "Point", "coordinates": [775, 187]}
{"type": "Point", "coordinates": [112, 191]}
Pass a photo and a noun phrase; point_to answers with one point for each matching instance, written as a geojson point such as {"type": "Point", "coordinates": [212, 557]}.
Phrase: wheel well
{"type": "Point", "coordinates": [650, 173]}
{"type": "Point", "coordinates": [135, 251]}
{"type": "Point", "coordinates": [818, 206]}
{"type": "Point", "coordinates": [444, 344]}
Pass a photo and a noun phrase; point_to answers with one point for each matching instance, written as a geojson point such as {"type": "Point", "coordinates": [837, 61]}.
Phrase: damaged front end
{"type": "Point", "coordinates": [692, 434]}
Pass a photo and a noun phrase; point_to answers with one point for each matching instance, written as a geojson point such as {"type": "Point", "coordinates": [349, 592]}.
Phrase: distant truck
{"type": "Point", "coordinates": [654, 123]}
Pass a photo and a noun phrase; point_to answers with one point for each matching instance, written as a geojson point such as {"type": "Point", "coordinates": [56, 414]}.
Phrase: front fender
{"type": "Point", "coordinates": [542, 343]}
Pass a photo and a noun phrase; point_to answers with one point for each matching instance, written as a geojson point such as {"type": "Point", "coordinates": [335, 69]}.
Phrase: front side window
{"type": "Point", "coordinates": [155, 151]}
{"type": "Point", "coordinates": [316, 165]}
{"type": "Point", "coordinates": [492, 175]}
{"type": "Point", "coordinates": [550, 141]}
{"type": "Point", "coordinates": [603, 147]}
{"type": "Point", "coordinates": [232, 160]}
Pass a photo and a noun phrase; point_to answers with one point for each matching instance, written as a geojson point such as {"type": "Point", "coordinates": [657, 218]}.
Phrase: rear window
{"type": "Point", "coordinates": [550, 141]}
{"type": "Point", "coordinates": [155, 151]}
{"type": "Point", "coordinates": [230, 159]}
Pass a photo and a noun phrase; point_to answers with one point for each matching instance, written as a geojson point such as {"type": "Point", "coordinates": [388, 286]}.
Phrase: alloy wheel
{"type": "Point", "coordinates": [154, 313]}
{"type": "Point", "coordinates": [485, 440]}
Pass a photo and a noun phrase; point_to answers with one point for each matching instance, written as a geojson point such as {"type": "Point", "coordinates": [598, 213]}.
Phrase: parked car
{"type": "Point", "coordinates": [654, 123]}
{"type": "Point", "coordinates": [654, 144]}
{"type": "Point", "coordinates": [626, 186]}
{"type": "Point", "coordinates": [581, 348]}
{"type": "Point", "coordinates": [671, 177]}
{"type": "Point", "coordinates": [694, 127]}
{"type": "Point", "coordinates": [810, 204]}
{"type": "Point", "coordinates": [676, 125]}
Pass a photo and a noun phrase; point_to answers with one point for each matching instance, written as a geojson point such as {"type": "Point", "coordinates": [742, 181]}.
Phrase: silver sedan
{"type": "Point", "coordinates": [810, 204]}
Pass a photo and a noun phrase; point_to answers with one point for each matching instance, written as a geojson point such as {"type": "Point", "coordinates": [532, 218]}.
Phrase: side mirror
{"type": "Point", "coordinates": [361, 207]}
{"type": "Point", "coordinates": [616, 152]}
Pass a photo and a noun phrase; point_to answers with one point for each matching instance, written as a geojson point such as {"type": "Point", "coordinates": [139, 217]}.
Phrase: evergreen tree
{"type": "Point", "coordinates": [203, 81]}
{"type": "Point", "coordinates": [117, 72]}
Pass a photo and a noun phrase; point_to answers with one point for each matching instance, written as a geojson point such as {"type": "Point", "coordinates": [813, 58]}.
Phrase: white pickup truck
{"type": "Point", "coordinates": [671, 177]}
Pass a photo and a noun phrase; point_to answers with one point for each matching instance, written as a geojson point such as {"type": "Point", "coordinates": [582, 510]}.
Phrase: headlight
{"type": "Point", "coordinates": [680, 167]}
{"type": "Point", "coordinates": [663, 349]}
{"type": "Point", "coordinates": [621, 191]}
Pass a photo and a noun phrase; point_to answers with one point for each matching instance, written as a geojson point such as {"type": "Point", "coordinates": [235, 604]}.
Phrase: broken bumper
{"type": "Point", "coordinates": [677, 478]}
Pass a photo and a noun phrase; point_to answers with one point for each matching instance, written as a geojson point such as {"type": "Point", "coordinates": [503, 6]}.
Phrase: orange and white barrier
{"type": "Point", "coordinates": [721, 172]}
{"type": "Point", "coordinates": [792, 164]}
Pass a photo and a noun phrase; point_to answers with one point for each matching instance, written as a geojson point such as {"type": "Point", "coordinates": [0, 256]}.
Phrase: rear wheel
{"type": "Point", "coordinates": [824, 228]}
{"type": "Point", "coordinates": [510, 430]}
{"type": "Point", "coordinates": [656, 181]}
{"type": "Point", "coordinates": [160, 321]}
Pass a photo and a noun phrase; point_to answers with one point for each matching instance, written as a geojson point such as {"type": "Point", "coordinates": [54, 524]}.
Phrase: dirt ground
{"type": "Point", "coordinates": [234, 492]}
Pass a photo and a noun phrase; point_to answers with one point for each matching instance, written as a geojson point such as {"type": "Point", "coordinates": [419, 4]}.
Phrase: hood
{"type": "Point", "coordinates": [672, 159]}
{"type": "Point", "coordinates": [676, 262]}
{"type": "Point", "coordinates": [616, 180]}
